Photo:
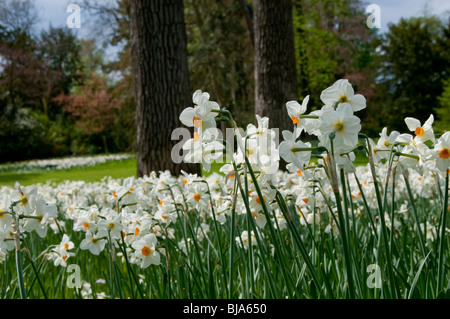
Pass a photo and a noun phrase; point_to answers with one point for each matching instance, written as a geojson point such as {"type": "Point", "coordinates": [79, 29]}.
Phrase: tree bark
{"type": "Point", "coordinates": [300, 48]}
{"type": "Point", "coordinates": [162, 88]}
{"type": "Point", "coordinates": [275, 66]}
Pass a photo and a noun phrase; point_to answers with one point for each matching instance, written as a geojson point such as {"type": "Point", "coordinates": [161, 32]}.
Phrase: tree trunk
{"type": "Point", "coordinates": [300, 49]}
{"type": "Point", "coordinates": [162, 89]}
{"type": "Point", "coordinates": [275, 66]}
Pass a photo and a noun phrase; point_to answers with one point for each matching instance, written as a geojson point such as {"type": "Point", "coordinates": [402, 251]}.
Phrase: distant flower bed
{"type": "Point", "coordinates": [63, 163]}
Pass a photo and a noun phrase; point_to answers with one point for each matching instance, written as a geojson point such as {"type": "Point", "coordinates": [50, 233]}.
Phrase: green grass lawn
{"type": "Point", "coordinates": [115, 169]}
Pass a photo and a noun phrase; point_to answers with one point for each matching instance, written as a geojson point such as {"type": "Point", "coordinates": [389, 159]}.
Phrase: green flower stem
{"type": "Point", "coordinates": [231, 260]}
{"type": "Point", "coordinates": [36, 272]}
{"type": "Point", "coordinates": [342, 222]}
{"type": "Point", "coordinates": [285, 275]}
{"type": "Point", "coordinates": [23, 293]}
{"type": "Point", "coordinates": [250, 247]}
{"type": "Point", "coordinates": [267, 269]}
{"type": "Point", "coordinates": [309, 149]}
{"type": "Point", "coordinates": [416, 216]}
{"type": "Point", "coordinates": [276, 242]}
{"type": "Point", "coordinates": [309, 116]}
{"type": "Point", "coordinates": [442, 237]}
{"type": "Point", "coordinates": [346, 204]}
{"type": "Point", "coordinates": [19, 271]}
{"type": "Point", "coordinates": [383, 237]}
{"type": "Point", "coordinates": [131, 274]}
{"type": "Point", "coordinates": [222, 258]}
{"type": "Point", "coordinates": [296, 235]}
{"type": "Point", "coordinates": [407, 155]}
{"type": "Point", "coordinates": [31, 217]}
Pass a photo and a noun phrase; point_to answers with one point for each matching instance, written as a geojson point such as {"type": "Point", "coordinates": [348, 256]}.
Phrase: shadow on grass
{"type": "Point", "coordinates": [22, 178]}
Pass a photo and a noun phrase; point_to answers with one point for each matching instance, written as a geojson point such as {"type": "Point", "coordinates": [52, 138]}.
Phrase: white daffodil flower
{"type": "Point", "coordinates": [92, 243]}
{"type": "Point", "coordinates": [61, 253]}
{"type": "Point", "coordinates": [344, 125]}
{"type": "Point", "coordinates": [246, 240]}
{"type": "Point", "coordinates": [201, 115]}
{"type": "Point", "coordinates": [288, 150]}
{"type": "Point", "coordinates": [41, 216]}
{"type": "Point", "coordinates": [295, 111]}
{"type": "Point", "coordinates": [145, 251]}
{"type": "Point", "coordinates": [422, 133]}
{"type": "Point", "coordinates": [383, 146]}
{"type": "Point", "coordinates": [5, 216]}
{"type": "Point", "coordinates": [203, 148]}
{"type": "Point", "coordinates": [342, 92]}
{"type": "Point", "coordinates": [442, 152]}
{"type": "Point", "coordinates": [27, 200]}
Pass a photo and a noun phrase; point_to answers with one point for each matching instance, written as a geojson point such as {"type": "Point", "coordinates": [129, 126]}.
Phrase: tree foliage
{"type": "Point", "coordinates": [332, 42]}
{"type": "Point", "coordinates": [443, 113]}
{"type": "Point", "coordinates": [220, 54]}
{"type": "Point", "coordinates": [412, 62]}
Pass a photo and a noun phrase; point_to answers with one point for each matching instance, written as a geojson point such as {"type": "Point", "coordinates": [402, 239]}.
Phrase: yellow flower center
{"type": "Point", "coordinates": [444, 153]}
{"type": "Point", "coordinates": [258, 200]}
{"type": "Point", "coordinates": [419, 131]}
{"type": "Point", "coordinates": [197, 197]}
{"type": "Point", "coordinates": [339, 126]}
{"type": "Point", "coordinates": [343, 99]}
{"type": "Point", "coordinates": [86, 225]}
{"type": "Point", "coordinates": [146, 251]}
{"type": "Point", "coordinates": [66, 246]}
{"type": "Point", "coordinates": [24, 200]}
{"type": "Point", "coordinates": [294, 119]}
{"type": "Point", "coordinates": [111, 225]}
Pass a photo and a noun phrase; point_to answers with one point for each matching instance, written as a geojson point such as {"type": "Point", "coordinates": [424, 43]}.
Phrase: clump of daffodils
{"type": "Point", "coordinates": [132, 220]}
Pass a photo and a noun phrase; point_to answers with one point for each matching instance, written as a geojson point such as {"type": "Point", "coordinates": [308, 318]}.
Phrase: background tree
{"type": "Point", "coordinates": [116, 17]}
{"type": "Point", "coordinates": [93, 107]}
{"type": "Point", "coordinates": [161, 77]}
{"type": "Point", "coordinates": [413, 61]}
{"type": "Point", "coordinates": [18, 15]}
{"type": "Point", "coordinates": [275, 68]}
{"type": "Point", "coordinates": [442, 122]}
{"type": "Point", "coordinates": [220, 55]}
{"type": "Point", "coordinates": [332, 42]}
